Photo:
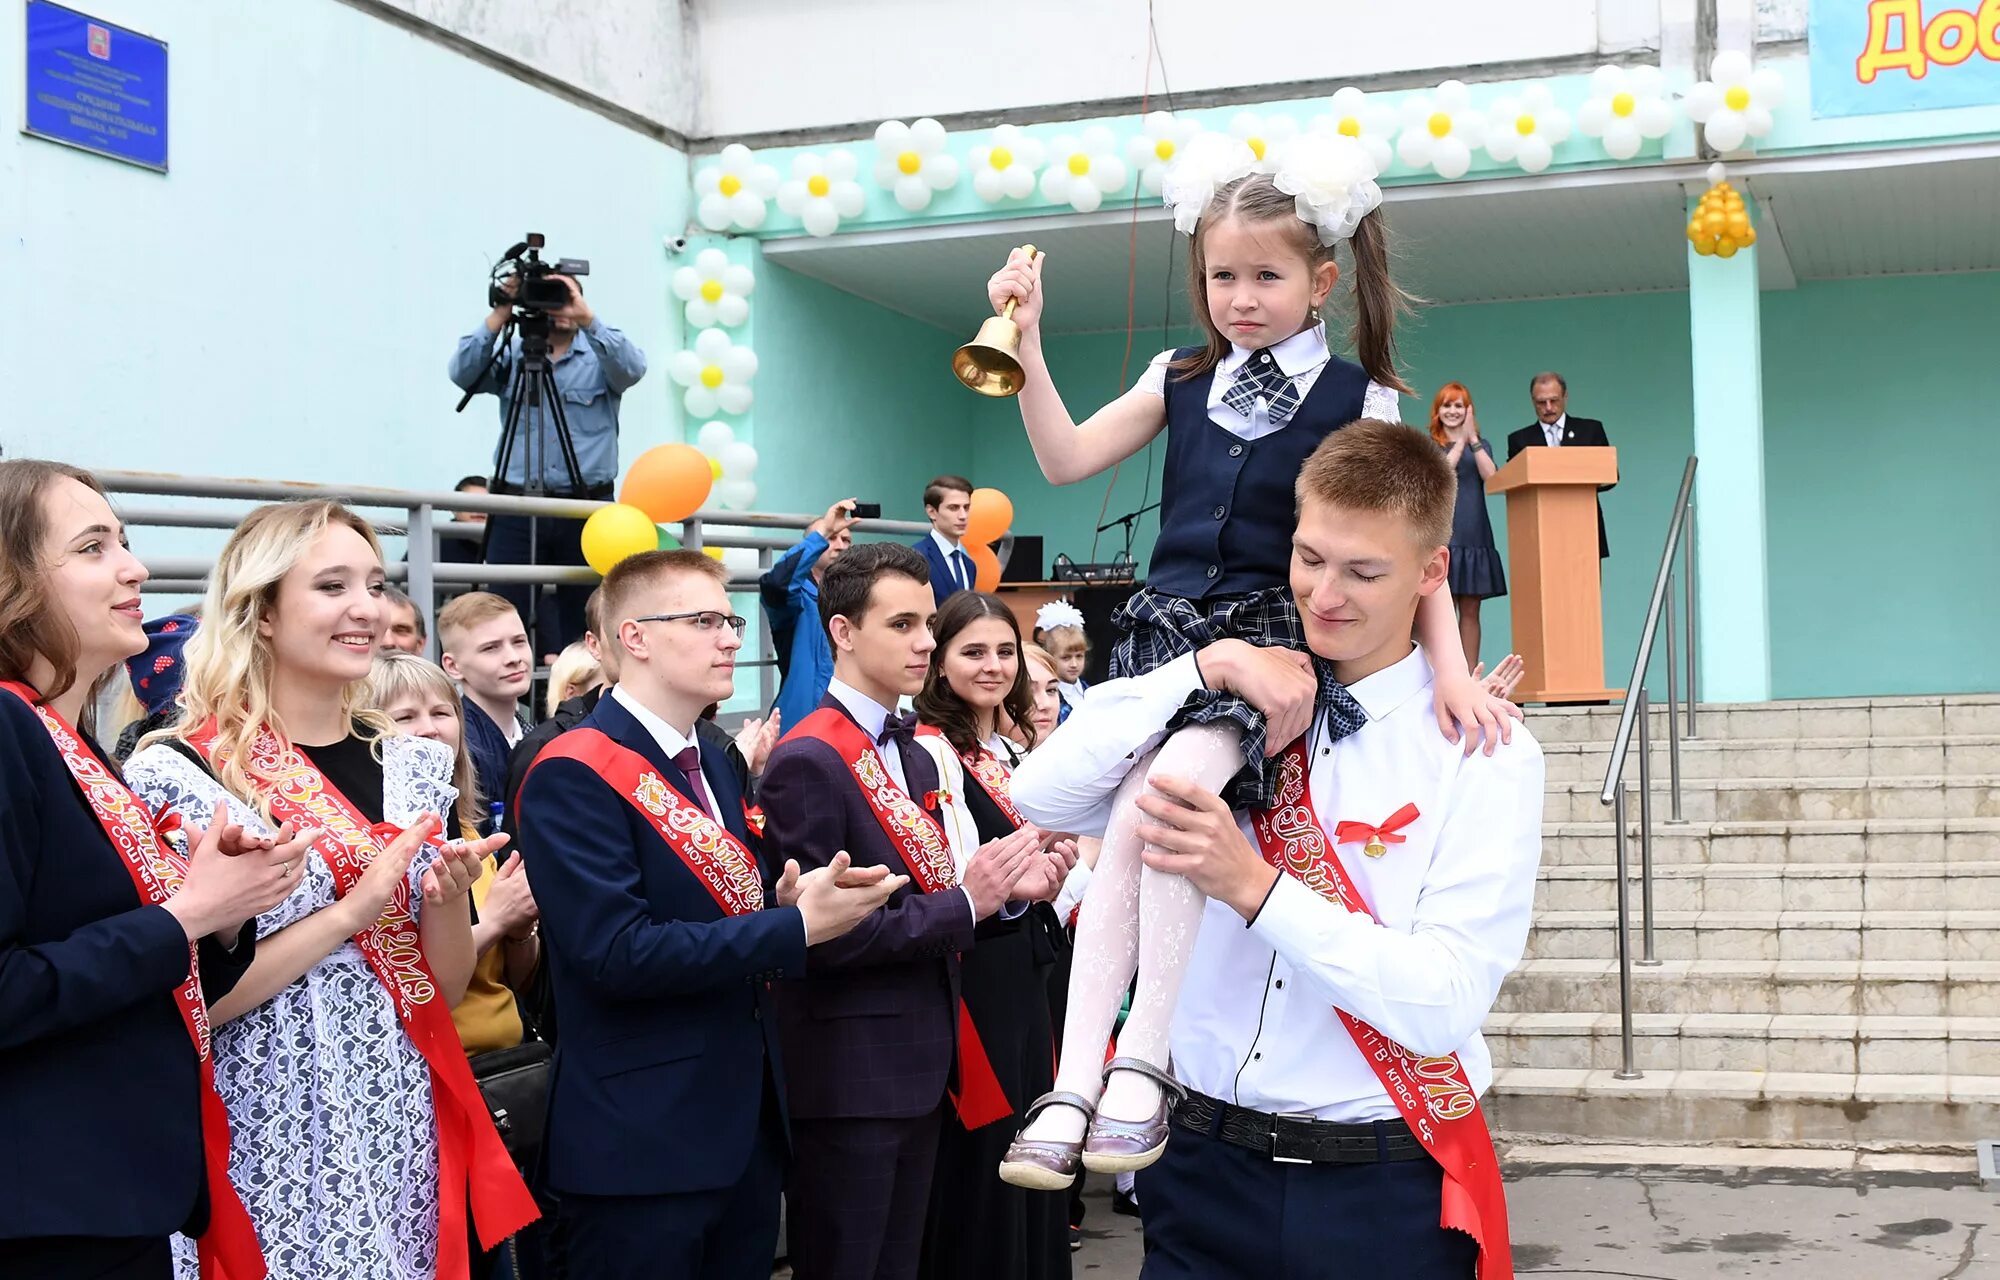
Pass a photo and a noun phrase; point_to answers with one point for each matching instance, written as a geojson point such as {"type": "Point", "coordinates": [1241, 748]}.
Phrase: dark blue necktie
{"type": "Point", "coordinates": [961, 565]}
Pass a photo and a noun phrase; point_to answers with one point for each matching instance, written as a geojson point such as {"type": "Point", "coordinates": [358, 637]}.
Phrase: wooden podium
{"type": "Point", "coordinates": [1557, 586]}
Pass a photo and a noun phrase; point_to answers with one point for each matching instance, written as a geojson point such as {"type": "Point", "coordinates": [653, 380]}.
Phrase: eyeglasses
{"type": "Point", "coordinates": [705, 620]}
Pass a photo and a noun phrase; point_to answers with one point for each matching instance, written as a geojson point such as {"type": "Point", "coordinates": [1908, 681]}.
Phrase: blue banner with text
{"type": "Point", "coordinates": [96, 86]}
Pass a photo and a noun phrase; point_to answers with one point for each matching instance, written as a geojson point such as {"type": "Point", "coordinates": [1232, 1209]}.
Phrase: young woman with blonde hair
{"type": "Point", "coordinates": [358, 1131]}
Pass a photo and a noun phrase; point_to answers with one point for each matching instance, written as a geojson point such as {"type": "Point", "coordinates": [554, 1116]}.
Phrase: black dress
{"type": "Point", "coordinates": [978, 1226]}
{"type": "Point", "coordinates": [1475, 569]}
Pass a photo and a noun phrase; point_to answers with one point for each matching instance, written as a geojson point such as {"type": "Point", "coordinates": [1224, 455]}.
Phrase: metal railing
{"type": "Point", "coordinates": [1636, 717]}
{"type": "Point", "coordinates": [423, 573]}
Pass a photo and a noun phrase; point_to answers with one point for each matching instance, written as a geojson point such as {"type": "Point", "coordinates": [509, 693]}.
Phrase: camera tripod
{"type": "Point", "coordinates": [531, 396]}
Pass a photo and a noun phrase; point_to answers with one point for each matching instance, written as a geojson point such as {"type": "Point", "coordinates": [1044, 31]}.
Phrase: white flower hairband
{"type": "Point", "coordinates": [1331, 176]}
{"type": "Point", "coordinates": [1058, 613]}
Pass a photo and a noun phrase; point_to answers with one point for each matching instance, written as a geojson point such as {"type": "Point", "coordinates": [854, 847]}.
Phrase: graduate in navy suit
{"type": "Point", "coordinates": [104, 962]}
{"type": "Point", "coordinates": [948, 506]}
{"type": "Point", "coordinates": [666, 1139]}
{"type": "Point", "coordinates": [876, 1013]}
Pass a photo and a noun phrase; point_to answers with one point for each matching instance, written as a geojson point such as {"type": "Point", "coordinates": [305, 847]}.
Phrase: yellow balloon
{"type": "Point", "coordinates": [713, 553]}
{"type": "Point", "coordinates": [1704, 247]}
{"type": "Point", "coordinates": [1738, 226]}
{"type": "Point", "coordinates": [1749, 235]}
{"type": "Point", "coordinates": [715, 468]}
{"type": "Point", "coordinates": [612, 533]}
{"type": "Point", "coordinates": [1694, 229]}
{"type": "Point", "coordinates": [1725, 248]}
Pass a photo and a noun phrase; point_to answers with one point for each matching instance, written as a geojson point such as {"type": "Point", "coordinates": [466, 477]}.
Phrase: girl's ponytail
{"type": "Point", "coordinates": [1377, 302]}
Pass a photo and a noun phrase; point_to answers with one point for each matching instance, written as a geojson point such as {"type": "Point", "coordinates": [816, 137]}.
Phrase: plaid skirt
{"type": "Point", "coordinates": [1159, 628]}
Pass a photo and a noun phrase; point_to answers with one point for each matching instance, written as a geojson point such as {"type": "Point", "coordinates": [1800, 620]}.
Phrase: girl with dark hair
{"type": "Point", "coordinates": [979, 1226]}
{"type": "Point", "coordinates": [112, 940]}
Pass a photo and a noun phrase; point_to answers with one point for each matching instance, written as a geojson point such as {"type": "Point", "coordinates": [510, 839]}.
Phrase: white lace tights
{"type": "Point", "coordinates": [1133, 917]}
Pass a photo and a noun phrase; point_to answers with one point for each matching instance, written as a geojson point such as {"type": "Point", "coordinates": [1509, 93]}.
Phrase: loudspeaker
{"type": "Point", "coordinates": [1025, 565]}
{"type": "Point", "coordinates": [1098, 604]}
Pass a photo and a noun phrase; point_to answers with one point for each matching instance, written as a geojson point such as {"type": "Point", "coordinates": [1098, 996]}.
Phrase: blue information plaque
{"type": "Point", "coordinates": [96, 86]}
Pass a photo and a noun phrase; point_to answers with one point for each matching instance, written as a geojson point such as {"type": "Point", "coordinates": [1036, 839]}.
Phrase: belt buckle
{"type": "Point", "coordinates": [1280, 1126]}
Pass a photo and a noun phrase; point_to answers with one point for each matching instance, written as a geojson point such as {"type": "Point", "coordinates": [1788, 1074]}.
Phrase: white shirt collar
{"type": "Point", "coordinates": [1393, 685]}
{"type": "Point", "coordinates": [944, 545]}
{"type": "Point", "coordinates": [670, 739]}
{"type": "Point", "coordinates": [1303, 351]}
{"type": "Point", "coordinates": [868, 713]}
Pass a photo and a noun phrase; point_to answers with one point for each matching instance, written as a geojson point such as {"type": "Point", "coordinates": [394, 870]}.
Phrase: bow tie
{"type": "Point", "coordinates": [1343, 713]}
{"type": "Point", "coordinates": [900, 728]}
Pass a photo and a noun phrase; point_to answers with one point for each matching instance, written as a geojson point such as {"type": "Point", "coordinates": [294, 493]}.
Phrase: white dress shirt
{"type": "Point", "coordinates": [952, 553]}
{"type": "Point", "coordinates": [1256, 1024]}
{"type": "Point", "coordinates": [671, 740]}
{"type": "Point", "coordinates": [1301, 356]}
{"type": "Point", "coordinates": [871, 716]}
{"type": "Point", "coordinates": [1553, 431]}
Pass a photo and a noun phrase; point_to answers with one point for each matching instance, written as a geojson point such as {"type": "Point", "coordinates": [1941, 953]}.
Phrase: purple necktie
{"type": "Point", "coordinates": [689, 763]}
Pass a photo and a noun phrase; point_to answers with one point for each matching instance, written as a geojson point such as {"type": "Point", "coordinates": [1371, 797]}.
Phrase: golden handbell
{"type": "Point", "coordinates": [1375, 848]}
{"type": "Point", "coordinates": [991, 363]}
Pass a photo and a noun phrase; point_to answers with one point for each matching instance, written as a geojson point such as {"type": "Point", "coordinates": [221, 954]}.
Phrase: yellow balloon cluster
{"type": "Point", "coordinates": [1721, 223]}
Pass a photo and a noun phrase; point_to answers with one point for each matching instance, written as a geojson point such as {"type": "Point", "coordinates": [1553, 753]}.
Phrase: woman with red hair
{"type": "Point", "coordinates": [1476, 572]}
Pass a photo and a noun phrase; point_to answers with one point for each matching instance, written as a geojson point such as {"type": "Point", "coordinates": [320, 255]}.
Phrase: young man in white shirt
{"type": "Point", "coordinates": [1356, 935]}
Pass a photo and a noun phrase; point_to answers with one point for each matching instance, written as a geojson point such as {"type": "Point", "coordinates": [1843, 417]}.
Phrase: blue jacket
{"type": "Point", "coordinates": [791, 603]}
{"type": "Point", "coordinates": [486, 743]}
{"type": "Point", "coordinates": [943, 581]}
{"type": "Point", "coordinates": [99, 1085]}
{"type": "Point", "coordinates": [659, 1077]}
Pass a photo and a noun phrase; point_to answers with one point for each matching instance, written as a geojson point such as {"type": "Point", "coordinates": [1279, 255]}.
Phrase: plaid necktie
{"type": "Point", "coordinates": [1343, 714]}
{"type": "Point", "coordinates": [1260, 378]}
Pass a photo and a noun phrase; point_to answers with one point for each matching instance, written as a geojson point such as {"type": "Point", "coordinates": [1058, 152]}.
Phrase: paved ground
{"type": "Point", "coordinates": [1886, 1219]}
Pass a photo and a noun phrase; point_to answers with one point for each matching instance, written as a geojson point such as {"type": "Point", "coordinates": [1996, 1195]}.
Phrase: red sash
{"type": "Point", "coordinates": [921, 843]}
{"type": "Point", "coordinates": [725, 868]}
{"type": "Point", "coordinates": [995, 779]}
{"type": "Point", "coordinates": [472, 1163]}
{"type": "Point", "coordinates": [1432, 1094]}
{"type": "Point", "coordinates": [229, 1248]}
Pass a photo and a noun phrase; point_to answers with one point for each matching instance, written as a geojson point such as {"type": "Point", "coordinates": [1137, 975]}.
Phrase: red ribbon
{"type": "Point", "coordinates": [1361, 832]}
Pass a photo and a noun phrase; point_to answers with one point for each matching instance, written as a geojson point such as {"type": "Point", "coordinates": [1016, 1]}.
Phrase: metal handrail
{"type": "Point", "coordinates": [1637, 715]}
{"type": "Point", "coordinates": [422, 571]}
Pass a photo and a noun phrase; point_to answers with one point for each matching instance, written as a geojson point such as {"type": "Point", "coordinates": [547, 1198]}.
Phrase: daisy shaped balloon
{"type": "Point", "coordinates": [1266, 136]}
{"type": "Point", "coordinates": [716, 373]}
{"type": "Point", "coordinates": [1626, 106]}
{"type": "Point", "coordinates": [1440, 129]}
{"type": "Point", "coordinates": [1368, 121]}
{"type": "Point", "coordinates": [1160, 141]}
{"type": "Point", "coordinates": [1083, 169]}
{"type": "Point", "coordinates": [911, 160]}
{"type": "Point", "coordinates": [822, 191]}
{"type": "Point", "coordinates": [716, 290]}
{"type": "Point", "coordinates": [1734, 104]}
{"type": "Point", "coordinates": [731, 193]}
{"type": "Point", "coordinates": [1005, 169]}
{"type": "Point", "coordinates": [1526, 130]}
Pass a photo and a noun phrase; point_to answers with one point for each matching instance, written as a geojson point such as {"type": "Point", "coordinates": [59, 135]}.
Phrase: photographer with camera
{"type": "Point", "coordinates": [563, 445]}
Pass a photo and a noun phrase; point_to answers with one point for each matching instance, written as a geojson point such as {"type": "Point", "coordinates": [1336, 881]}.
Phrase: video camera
{"type": "Point", "coordinates": [537, 290]}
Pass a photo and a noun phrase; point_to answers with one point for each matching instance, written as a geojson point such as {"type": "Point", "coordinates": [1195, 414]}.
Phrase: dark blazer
{"type": "Point", "coordinates": [657, 1085]}
{"type": "Point", "coordinates": [1584, 432]}
{"type": "Point", "coordinates": [98, 1079]}
{"type": "Point", "coordinates": [943, 581]}
{"type": "Point", "coordinates": [876, 1013]}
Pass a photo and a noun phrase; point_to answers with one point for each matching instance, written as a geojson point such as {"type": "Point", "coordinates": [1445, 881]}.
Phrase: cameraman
{"type": "Point", "coordinates": [594, 366]}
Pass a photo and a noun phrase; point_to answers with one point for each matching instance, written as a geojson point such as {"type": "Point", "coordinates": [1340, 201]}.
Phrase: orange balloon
{"type": "Point", "coordinates": [668, 482]}
{"type": "Point", "coordinates": [985, 566]}
{"type": "Point", "coordinates": [992, 515]}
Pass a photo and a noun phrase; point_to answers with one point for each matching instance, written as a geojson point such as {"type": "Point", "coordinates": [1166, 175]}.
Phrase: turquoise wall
{"type": "Point", "coordinates": [1880, 428]}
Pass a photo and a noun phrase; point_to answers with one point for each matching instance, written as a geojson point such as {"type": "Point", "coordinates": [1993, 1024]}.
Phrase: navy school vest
{"type": "Point", "coordinates": [1227, 504]}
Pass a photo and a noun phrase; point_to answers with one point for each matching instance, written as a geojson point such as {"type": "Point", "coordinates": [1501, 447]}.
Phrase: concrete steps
{"type": "Point", "coordinates": [1828, 918]}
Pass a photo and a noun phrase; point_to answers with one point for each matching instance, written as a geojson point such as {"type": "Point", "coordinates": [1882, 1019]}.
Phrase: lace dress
{"type": "Point", "coordinates": [333, 1136]}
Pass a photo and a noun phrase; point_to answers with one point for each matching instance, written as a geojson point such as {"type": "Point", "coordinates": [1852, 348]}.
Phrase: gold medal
{"type": "Point", "coordinates": [1375, 849]}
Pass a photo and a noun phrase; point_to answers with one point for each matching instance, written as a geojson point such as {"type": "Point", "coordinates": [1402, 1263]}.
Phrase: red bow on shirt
{"type": "Point", "coordinates": [1377, 838]}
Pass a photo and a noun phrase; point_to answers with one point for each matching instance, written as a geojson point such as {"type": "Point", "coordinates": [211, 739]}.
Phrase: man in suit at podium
{"type": "Point", "coordinates": [1554, 428]}
{"type": "Point", "coordinates": [948, 506]}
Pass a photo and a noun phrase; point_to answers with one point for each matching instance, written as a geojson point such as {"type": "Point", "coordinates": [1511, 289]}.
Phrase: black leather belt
{"type": "Point", "coordinates": [1299, 1139]}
